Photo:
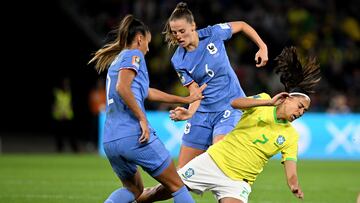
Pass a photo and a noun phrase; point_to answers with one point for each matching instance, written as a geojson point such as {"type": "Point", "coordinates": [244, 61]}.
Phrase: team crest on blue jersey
{"type": "Point", "coordinates": [212, 48]}
{"type": "Point", "coordinates": [187, 128]}
{"type": "Point", "coordinates": [188, 173]}
{"type": "Point", "coordinates": [136, 61]}
{"type": "Point", "coordinates": [280, 140]}
{"type": "Point", "coordinates": [182, 78]}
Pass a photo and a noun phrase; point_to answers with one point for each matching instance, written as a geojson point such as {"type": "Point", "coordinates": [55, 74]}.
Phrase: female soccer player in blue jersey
{"type": "Point", "coordinates": [201, 58]}
{"type": "Point", "coordinates": [129, 139]}
{"type": "Point", "coordinates": [229, 167]}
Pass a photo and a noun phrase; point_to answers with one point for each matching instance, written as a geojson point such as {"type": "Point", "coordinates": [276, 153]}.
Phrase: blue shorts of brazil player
{"type": "Point", "coordinates": [126, 153]}
{"type": "Point", "coordinates": [202, 127]}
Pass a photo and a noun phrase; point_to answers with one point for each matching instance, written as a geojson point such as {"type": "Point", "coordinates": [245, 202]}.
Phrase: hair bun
{"type": "Point", "coordinates": [181, 5]}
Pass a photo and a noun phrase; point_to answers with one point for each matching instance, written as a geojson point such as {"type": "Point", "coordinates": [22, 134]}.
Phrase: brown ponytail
{"type": "Point", "coordinates": [127, 29]}
{"type": "Point", "coordinates": [295, 76]}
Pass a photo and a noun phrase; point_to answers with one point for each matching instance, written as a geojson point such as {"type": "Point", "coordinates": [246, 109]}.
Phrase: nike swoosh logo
{"type": "Point", "coordinates": [223, 120]}
{"type": "Point", "coordinates": [192, 70]}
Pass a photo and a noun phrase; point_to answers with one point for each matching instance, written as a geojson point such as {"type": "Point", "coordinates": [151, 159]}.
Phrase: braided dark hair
{"type": "Point", "coordinates": [295, 76]}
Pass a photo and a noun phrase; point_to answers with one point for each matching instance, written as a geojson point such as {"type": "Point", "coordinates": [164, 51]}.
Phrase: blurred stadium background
{"type": "Point", "coordinates": [46, 42]}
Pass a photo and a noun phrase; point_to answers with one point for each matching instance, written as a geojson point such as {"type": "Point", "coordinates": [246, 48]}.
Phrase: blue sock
{"type": "Point", "coordinates": [121, 195]}
{"type": "Point", "coordinates": [182, 196]}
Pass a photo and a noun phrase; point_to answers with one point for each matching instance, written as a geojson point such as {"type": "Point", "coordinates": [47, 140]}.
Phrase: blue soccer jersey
{"type": "Point", "coordinates": [209, 63]}
{"type": "Point", "coordinates": [120, 121]}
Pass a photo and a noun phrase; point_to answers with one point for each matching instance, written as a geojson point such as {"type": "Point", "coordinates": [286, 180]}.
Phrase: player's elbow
{"type": "Point", "coordinates": [237, 103]}
{"type": "Point", "coordinates": [233, 104]}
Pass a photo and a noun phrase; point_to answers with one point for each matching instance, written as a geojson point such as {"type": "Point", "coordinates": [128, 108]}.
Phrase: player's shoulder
{"type": "Point", "coordinates": [293, 130]}
{"type": "Point", "coordinates": [222, 26]}
{"type": "Point", "coordinates": [292, 133]}
{"type": "Point", "coordinates": [206, 31]}
{"type": "Point", "coordinates": [176, 58]}
{"type": "Point", "coordinates": [213, 29]}
{"type": "Point", "coordinates": [134, 52]}
{"type": "Point", "coordinates": [177, 53]}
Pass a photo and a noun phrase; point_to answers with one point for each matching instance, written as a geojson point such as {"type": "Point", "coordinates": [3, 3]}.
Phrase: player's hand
{"type": "Point", "coordinates": [279, 98]}
{"type": "Point", "coordinates": [145, 132]}
{"type": "Point", "coordinates": [261, 57]}
{"type": "Point", "coordinates": [196, 94]}
{"type": "Point", "coordinates": [297, 192]}
{"type": "Point", "coordinates": [180, 114]}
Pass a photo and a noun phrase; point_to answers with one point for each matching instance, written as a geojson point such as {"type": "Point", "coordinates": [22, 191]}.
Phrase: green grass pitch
{"type": "Point", "coordinates": [88, 178]}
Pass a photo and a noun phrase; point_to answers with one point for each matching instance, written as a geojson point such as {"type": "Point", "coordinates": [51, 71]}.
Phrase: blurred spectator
{"type": "Point", "coordinates": [328, 29]}
{"type": "Point", "coordinates": [338, 104]}
{"type": "Point", "coordinates": [97, 103]}
{"type": "Point", "coordinates": [63, 116]}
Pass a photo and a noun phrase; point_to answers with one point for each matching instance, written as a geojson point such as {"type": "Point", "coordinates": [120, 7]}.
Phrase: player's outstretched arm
{"type": "Point", "coordinates": [247, 102]}
{"type": "Point", "coordinates": [160, 96]}
{"type": "Point", "coordinates": [261, 57]}
{"type": "Point", "coordinates": [181, 113]}
{"type": "Point", "coordinates": [292, 179]}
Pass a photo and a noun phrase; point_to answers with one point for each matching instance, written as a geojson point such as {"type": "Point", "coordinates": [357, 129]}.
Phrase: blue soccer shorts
{"type": "Point", "coordinates": [126, 153]}
{"type": "Point", "coordinates": [202, 127]}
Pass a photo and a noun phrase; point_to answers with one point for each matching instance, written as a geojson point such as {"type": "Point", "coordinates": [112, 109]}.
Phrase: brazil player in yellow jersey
{"type": "Point", "coordinates": [229, 167]}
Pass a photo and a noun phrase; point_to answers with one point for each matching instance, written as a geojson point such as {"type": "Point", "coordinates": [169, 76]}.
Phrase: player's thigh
{"type": "Point", "coordinates": [170, 179]}
{"type": "Point", "coordinates": [126, 153]}
{"type": "Point", "coordinates": [154, 158]}
{"type": "Point", "coordinates": [230, 200]}
{"type": "Point", "coordinates": [198, 174]}
{"type": "Point", "coordinates": [198, 131]}
{"type": "Point", "coordinates": [123, 166]}
{"type": "Point", "coordinates": [134, 184]}
{"type": "Point", "coordinates": [125, 169]}
{"type": "Point", "coordinates": [187, 154]}
{"type": "Point", "coordinates": [217, 138]}
{"type": "Point", "coordinates": [228, 189]}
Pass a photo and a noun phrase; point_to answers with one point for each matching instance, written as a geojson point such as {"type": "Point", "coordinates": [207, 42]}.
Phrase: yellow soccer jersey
{"type": "Point", "coordinates": [257, 137]}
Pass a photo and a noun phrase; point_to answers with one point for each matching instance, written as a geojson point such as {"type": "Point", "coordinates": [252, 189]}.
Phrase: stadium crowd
{"type": "Point", "coordinates": [328, 29]}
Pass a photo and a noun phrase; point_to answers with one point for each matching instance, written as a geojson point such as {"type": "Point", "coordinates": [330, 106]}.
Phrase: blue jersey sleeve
{"type": "Point", "coordinates": [131, 60]}
{"type": "Point", "coordinates": [222, 30]}
{"type": "Point", "coordinates": [183, 75]}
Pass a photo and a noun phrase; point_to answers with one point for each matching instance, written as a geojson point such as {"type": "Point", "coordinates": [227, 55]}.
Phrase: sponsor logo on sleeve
{"type": "Point", "coordinates": [135, 61]}
{"type": "Point", "coordinates": [182, 78]}
{"type": "Point", "coordinates": [224, 26]}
